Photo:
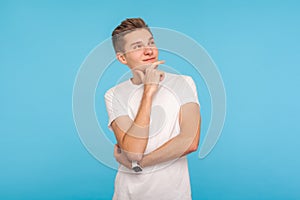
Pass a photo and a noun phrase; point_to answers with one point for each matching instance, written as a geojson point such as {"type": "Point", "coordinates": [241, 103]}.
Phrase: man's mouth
{"type": "Point", "coordinates": [149, 60]}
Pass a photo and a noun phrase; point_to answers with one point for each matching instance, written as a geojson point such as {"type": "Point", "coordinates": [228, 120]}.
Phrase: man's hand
{"type": "Point", "coordinates": [150, 77]}
{"type": "Point", "coordinates": [148, 74]}
{"type": "Point", "coordinates": [121, 157]}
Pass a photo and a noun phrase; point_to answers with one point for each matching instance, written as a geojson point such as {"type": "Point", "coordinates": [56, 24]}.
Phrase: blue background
{"type": "Point", "coordinates": [255, 45]}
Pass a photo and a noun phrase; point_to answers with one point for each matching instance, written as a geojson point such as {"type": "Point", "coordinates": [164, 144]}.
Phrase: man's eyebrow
{"type": "Point", "coordinates": [139, 42]}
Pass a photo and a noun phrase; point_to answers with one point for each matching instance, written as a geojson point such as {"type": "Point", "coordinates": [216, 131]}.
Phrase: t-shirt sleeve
{"type": "Point", "coordinates": [115, 108]}
{"type": "Point", "coordinates": [189, 91]}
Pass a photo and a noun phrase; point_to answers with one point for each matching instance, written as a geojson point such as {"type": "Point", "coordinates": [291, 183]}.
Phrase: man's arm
{"type": "Point", "coordinates": [185, 142]}
{"type": "Point", "coordinates": [132, 137]}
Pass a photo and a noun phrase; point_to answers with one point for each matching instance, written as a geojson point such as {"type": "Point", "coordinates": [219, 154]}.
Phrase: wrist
{"type": "Point", "coordinates": [148, 94]}
{"type": "Point", "coordinates": [146, 161]}
{"type": "Point", "coordinates": [136, 167]}
{"type": "Point", "coordinates": [141, 163]}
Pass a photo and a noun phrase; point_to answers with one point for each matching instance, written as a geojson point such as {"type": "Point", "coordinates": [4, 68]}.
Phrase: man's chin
{"type": "Point", "coordinates": [144, 65]}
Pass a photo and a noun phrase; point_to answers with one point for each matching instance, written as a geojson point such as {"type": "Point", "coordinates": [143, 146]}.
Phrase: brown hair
{"type": "Point", "coordinates": [124, 28]}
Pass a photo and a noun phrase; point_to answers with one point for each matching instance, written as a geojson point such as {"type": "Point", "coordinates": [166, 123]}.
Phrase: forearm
{"type": "Point", "coordinates": [132, 136]}
{"type": "Point", "coordinates": [185, 142]}
{"type": "Point", "coordinates": [174, 148]}
{"type": "Point", "coordinates": [135, 140]}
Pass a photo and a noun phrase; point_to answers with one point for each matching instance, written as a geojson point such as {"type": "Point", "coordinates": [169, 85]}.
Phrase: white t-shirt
{"type": "Point", "coordinates": [164, 181]}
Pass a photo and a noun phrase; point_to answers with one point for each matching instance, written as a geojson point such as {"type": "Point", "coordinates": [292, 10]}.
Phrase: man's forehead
{"type": "Point", "coordinates": [138, 34]}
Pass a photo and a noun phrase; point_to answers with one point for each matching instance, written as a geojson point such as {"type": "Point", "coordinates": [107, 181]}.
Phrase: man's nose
{"type": "Point", "coordinates": [148, 51]}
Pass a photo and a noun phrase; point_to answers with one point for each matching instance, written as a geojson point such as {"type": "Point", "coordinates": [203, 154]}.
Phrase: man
{"type": "Point", "coordinates": [155, 117]}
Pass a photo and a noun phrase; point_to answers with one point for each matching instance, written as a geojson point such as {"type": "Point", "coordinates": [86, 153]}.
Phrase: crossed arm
{"type": "Point", "coordinates": [184, 143]}
{"type": "Point", "coordinates": [132, 136]}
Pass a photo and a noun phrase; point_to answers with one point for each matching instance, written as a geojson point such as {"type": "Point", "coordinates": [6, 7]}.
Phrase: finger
{"type": "Point", "coordinates": [117, 150]}
{"type": "Point", "coordinates": [155, 64]}
{"type": "Point", "coordinates": [149, 69]}
{"type": "Point", "coordinates": [140, 74]}
{"type": "Point", "coordinates": [162, 75]}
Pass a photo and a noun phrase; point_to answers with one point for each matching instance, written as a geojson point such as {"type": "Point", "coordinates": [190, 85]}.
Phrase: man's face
{"type": "Point", "coordinates": [140, 49]}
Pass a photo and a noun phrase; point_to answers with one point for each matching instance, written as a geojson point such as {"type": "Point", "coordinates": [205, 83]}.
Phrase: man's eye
{"type": "Point", "coordinates": [138, 46]}
{"type": "Point", "coordinates": [152, 43]}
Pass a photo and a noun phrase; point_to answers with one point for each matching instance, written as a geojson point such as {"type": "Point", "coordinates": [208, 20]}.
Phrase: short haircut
{"type": "Point", "coordinates": [124, 28]}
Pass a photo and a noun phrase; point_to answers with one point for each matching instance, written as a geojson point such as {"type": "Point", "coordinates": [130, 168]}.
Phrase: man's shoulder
{"type": "Point", "coordinates": [183, 86]}
{"type": "Point", "coordinates": [119, 87]}
{"type": "Point", "coordinates": [178, 78]}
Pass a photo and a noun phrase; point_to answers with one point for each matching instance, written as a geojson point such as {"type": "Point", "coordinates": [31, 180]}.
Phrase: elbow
{"type": "Point", "coordinates": [134, 156]}
{"type": "Point", "coordinates": [133, 152]}
{"type": "Point", "coordinates": [193, 148]}
{"type": "Point", "coordinates": [195, 142]}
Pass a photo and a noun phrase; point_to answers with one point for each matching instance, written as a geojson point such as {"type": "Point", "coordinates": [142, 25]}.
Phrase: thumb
{"type": "Point", "coordinates": [140, 74]}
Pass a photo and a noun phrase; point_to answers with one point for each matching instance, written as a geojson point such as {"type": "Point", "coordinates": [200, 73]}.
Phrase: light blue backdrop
{"type": "Point", "coordinates": [255, 45]}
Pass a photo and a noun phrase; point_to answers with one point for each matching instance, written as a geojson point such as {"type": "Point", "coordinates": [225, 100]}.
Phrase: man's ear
{"type": "Point", "coordinates": [121, 57]}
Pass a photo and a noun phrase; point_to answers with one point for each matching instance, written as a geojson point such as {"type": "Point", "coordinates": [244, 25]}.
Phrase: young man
{"type": "Point", "coordinates": [155, 117]}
